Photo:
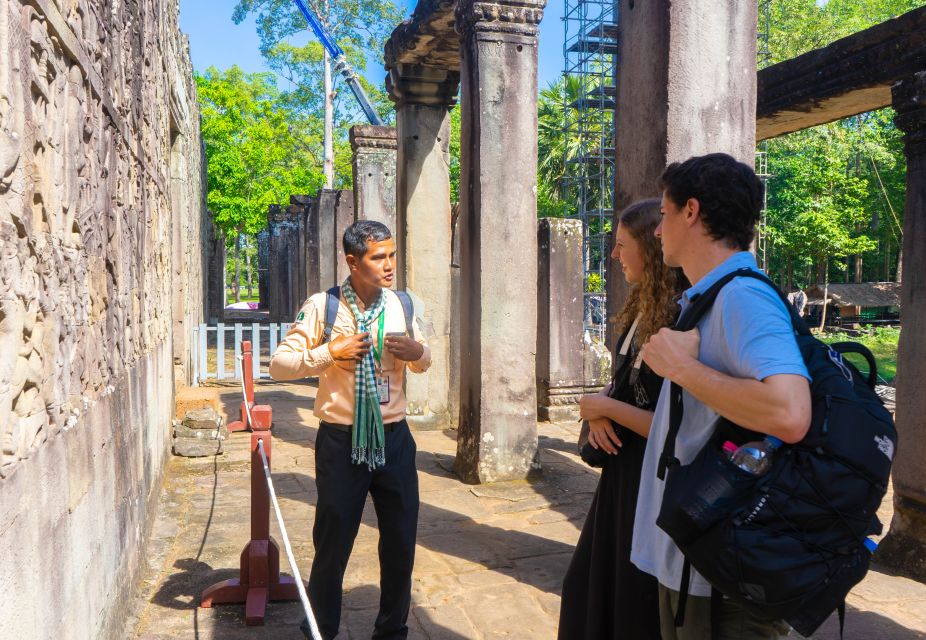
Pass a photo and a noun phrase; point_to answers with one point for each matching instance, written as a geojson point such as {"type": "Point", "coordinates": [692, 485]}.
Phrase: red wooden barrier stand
{"type": "Point", "coordinates": [247, 372]}
{"type": "Point", "coordinates": [260, 580]}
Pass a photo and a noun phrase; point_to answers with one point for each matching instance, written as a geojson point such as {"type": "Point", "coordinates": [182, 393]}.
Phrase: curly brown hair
{"type": "Point", "coordinates": [655, 297]}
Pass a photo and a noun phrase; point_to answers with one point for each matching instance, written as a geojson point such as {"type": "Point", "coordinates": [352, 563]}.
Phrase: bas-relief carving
{"type": "Point", "coordinates": [85, 214]}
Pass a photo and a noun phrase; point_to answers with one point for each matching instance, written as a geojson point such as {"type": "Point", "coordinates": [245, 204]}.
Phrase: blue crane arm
{"type": "Point", "coordinates": [341, 64]}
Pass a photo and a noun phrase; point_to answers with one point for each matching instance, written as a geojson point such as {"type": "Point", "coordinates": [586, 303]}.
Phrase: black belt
{"type": "Point", "coordinates": [346, 428]}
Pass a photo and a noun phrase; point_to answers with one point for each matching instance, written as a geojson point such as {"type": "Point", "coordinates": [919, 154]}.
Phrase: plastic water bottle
{"type": "Point", "coordinates": [756, 457]}
{"type": "Point", "coordinates": [871, 545]}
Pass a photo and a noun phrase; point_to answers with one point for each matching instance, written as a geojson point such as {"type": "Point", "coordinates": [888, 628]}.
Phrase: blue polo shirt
{"type": "Point", "coordinates": [747, 333]}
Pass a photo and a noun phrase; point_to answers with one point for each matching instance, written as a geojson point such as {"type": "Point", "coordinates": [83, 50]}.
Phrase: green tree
{"type": "Point", "coordinates": [359, 27]}
{"type": "Point", "coordinates": [256, 148]}
{"type": "Point", "coordinates": [837, 191]}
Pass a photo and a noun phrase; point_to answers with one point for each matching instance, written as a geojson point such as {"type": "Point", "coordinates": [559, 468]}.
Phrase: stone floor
{"type": "Point", "coordinates": [489, 561]}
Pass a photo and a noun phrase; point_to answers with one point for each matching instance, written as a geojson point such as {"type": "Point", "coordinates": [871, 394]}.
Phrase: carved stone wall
{"type": "Point", "coordinates": [101, 260]}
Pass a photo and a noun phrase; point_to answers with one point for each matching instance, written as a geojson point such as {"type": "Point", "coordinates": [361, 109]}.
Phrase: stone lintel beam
{"type": "Point", "coordinates": [904, 548]}
{"type": "Point", "coordinates": [850, 76]}
{"type": "Point", "coordinates": [371, 136]}
{"type": "Point", "coordinates": [416, 84]}
{"type": "Point", "coordinates": [428, 37]}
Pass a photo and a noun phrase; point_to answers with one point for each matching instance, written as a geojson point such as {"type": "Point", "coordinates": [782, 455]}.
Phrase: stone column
{"type": "Point", "coordinates": [344, 216]}
{"type": "Point", "coordinates": [905, 545]}
{"type": "Point", "coordinates": [423, 96]}
{"type": "Point", "coordinates": [263, 267]}
{"type": "Point", "coordinates": [284, 271]}
{"type": "Point", "coordinates": [560, 371]}
{"type": "Point", "coordinates": [686, 85]}
{"type": "Point", "coordinates": [304, 209]}
{"type": "Point", "coordinates": [328, 239]}
{"type": "Point", "coordinates": [498, 306]}
{"type": "Point", "coordinates": [374, 173]}
{"type": "Point", "coordinates": [216, 276]}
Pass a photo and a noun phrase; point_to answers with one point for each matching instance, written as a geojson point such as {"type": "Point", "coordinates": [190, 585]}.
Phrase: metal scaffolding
{"type": "Point", "coordinates": [590, 51]}
{"type": "Point", "coordinates": [764, 59]}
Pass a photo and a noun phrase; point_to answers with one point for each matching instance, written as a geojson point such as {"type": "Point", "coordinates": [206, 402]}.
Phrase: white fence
{"type": "Point", "coordinates": [214, 340]}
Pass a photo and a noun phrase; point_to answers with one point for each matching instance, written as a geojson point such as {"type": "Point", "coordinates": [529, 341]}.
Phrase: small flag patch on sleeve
{"type": "Point", "coordinates": [301, 316]}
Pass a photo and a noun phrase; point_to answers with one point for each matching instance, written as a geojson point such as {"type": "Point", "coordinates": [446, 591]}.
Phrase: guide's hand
{"type": "Point", "coordinates": [601, 435]}
{"type": "Point", "coordinates": [346, 348]}
{"type": "Point", "coordinates": [404, 348]}
{"type": "Point", "coordinates": [668, 351]}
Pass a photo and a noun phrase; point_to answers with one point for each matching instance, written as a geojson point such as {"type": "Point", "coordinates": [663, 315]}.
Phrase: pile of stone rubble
{"type": "Point", "coordinates": [202, 432]}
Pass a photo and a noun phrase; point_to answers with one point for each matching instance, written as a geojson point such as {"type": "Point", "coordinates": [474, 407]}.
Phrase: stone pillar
{"type": "Point", "coordinates": [215, 276]}
{"type": "Point", "coordinates": [326, 245]}
{"type": "Point", "coordinates": [263, 267]}
{"type": "Point", "coordinates": [304, 210]}
{"type": "Point", "coordinates": [686, 85]}
{"type": "Point", "coordinates": [374, 173]}
{"type": "Point", "coordinates": [560, 370]}
{"type": "Point", "coordinates": [423, 97]}
{"type": "Point", "coordinates": [344, 216]}
{"type": "Point", "coordinates": [498, 306]}
{"type": "Point", "coordinates": [284, 271]}
{"type": "Point", "coordinates": [905, 545]}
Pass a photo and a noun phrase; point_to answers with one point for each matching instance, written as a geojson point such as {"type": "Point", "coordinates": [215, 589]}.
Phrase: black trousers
{"type": "Point", "coordinates": [342, 491]}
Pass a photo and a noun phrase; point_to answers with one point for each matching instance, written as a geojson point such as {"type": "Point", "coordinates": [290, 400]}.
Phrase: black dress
{"type": "Point", "coordinates": [604, 594]}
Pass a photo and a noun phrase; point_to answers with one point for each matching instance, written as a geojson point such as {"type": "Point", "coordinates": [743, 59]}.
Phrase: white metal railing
{"type": "Point", "coordinates": [211, 339]}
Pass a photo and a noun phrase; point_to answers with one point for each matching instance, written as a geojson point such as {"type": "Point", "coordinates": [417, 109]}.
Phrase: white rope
{"type": "Point", "coordinates": [289, 551]}
{"type": "Point", "coordinates": [244, 395]}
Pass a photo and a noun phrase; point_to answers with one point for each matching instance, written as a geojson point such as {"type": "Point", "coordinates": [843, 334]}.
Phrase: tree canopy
{"type": "Point", "coordinates": [259, 150]}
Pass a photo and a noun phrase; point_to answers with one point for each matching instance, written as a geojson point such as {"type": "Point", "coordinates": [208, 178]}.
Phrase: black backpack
{"type": "Point", "coordinates": [789, 544]}
{"type": "Point", "coordinates": [334, 299]}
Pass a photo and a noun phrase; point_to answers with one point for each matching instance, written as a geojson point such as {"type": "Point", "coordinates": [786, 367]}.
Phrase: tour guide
{"type": "Point", "coordinates": [363, 443]}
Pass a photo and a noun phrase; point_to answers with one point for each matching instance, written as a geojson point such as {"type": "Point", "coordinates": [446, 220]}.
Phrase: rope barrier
{"type": "Point", "coordinates": [244, 394]}
{"type": "Point", "coordinates": [289, 550]}
{"type": "Point", "coordinates": [259, 581]}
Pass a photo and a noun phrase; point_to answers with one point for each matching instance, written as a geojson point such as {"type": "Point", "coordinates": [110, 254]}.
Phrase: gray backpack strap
{"type": "Point", "coordinates": [332, 302]}
{"type": "Point", "coordinates": [409, 308]}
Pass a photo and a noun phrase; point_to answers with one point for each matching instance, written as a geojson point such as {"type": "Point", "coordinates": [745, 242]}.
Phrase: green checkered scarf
{"type": "Point", "coordinates": [368, 442]}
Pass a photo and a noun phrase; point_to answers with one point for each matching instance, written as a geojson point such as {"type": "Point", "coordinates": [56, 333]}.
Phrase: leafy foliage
{"type": "Point", "coordinates": [256, 147]}
{"type": "Point", "coordinates": [360, 28]}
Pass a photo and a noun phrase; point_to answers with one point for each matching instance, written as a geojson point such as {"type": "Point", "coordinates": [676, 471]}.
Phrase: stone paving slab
{"type": "Point", "coordinates": [489, 563]}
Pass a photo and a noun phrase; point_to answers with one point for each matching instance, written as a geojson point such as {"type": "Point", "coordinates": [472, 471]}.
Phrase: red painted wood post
{"type": "Point", "coordinates": [247, 373]}
{"type": "Point", "coordinates": [259, 579]}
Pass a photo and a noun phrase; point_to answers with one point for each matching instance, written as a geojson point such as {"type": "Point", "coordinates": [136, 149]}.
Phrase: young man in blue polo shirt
{"type": "Point", "coordinates": [742, 363]}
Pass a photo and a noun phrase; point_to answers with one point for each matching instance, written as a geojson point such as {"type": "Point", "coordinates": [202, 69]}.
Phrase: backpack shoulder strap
{"type": "Point", "coordinates": [699, 306]}
{"type": "Point", "coordinates": [332, 302]}
{"type": "Point", "coordinates": [409, 309]}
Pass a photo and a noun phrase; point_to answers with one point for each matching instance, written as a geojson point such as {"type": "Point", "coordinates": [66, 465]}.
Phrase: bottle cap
{"type": "Point", "coordinates": [772, 440]}
{"type": "Point", "coordinates": [871, 545]}
{"type": "Point", "coordinates": [729, 447]}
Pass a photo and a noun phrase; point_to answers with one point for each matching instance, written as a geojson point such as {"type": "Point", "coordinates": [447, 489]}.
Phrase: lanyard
{"type": "Point", "coordinates": [378, 354]}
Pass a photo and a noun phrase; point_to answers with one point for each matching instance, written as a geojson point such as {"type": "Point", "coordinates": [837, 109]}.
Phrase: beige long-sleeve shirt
{"type": "Point", "coordinates": [302, 354]}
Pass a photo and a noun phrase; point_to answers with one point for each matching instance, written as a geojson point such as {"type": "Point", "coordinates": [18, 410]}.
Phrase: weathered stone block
{"type": "Point", "coordinates": [197, 447]}
{"type": "Point", "coordinates": [183, 431]}
{"type": "Point", "coordinates": [206, 418]}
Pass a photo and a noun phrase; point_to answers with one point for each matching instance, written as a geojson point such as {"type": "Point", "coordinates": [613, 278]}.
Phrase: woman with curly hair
{"type": "Point", "coordinates": [604, 595]}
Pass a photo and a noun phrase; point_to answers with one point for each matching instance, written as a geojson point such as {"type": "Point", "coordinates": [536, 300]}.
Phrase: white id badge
{"type": "Point", "coordinates": [382, 389]}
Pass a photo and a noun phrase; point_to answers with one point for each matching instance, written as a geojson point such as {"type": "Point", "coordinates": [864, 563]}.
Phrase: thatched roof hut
{"type": "Point", "coordinates": [861, 294]}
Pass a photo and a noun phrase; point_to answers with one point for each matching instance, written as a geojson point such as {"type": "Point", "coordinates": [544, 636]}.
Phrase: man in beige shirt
{"type": "Point", "coordinates": [363, 443]}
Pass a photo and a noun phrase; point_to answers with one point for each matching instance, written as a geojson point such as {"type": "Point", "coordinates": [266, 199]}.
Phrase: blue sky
{"type": "Point", "coordinates": [217, 41]}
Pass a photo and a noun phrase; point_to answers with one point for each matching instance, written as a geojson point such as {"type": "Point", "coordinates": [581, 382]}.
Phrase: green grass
{"type": "Point", "coordinates": [230, 295]}
{"type": "Point", "coordinates": [883, 344]}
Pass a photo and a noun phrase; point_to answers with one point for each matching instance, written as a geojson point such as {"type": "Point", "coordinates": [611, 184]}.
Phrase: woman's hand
{"type": "Point", "coordinates": [601, 435]}
{"type": "Point", "coordinates": [591, 406]}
